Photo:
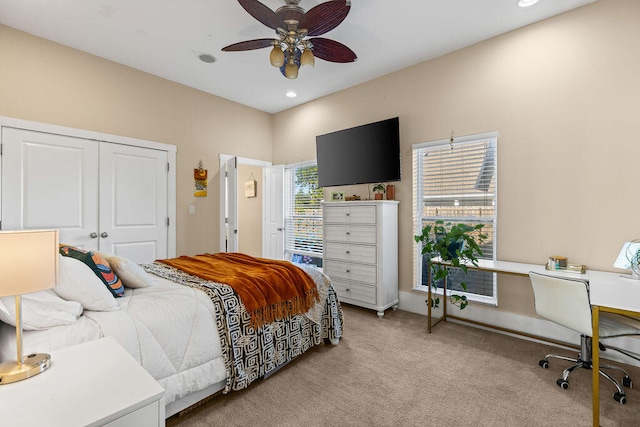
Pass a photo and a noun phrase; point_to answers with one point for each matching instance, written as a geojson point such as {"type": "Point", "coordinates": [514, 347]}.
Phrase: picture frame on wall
{"type": "Point", "coordinates": [337, 196]}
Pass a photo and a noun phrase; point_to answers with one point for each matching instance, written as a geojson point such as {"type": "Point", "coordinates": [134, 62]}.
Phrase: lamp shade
{"type": "Point", "coordinates": [28, 261]}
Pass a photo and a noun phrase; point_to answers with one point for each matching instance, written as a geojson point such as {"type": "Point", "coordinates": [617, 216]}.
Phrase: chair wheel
{"type": "Point", "coordinates": [544, 363]}
{"type": "Point", "coordinates": [619, 397]}
{"type": "Point", "coordinates": [626, 381]}
{"type": "Point", "coordinates": [564, 384]}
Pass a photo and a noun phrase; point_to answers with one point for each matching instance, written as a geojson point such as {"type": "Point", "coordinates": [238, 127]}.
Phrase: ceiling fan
{"type": "Point", "coordinates": [293, 48]}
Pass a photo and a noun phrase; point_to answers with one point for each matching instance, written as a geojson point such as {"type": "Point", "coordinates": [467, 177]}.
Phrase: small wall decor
{"type": "Point", "coordinates": [200, 181]}
{"type": "Point", "coordinates": [250, 187]}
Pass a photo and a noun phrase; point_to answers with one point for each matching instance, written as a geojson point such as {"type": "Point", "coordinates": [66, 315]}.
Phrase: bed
{"type": "Point", "coordinates": [194, 335]}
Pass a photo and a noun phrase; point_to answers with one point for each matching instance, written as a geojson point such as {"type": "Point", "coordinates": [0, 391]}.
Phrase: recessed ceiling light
{"type": "Point", "coordinates": [205, 57]}
{"type": "Point", "coordinates": [291, 94]}
{"type": "Point", "coordinates": [526, 3]}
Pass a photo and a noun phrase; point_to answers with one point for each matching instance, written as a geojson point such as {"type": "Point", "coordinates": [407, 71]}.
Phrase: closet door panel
{"type": "Point", "coordinates": [133, 202]}
{"type": "Point", "coordinates": [50, 181]}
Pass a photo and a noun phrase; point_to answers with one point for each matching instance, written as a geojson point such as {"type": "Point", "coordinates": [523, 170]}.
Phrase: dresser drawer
{"type": "Point", "coordinates": [350, 214]}
{"type": "Point", "coordinates": [348, 252]}
{"type": "Point", "coordinates": [350, 271]}
{"type": "Point", "coordinates": [350, 233]}
{"type": "Point", "coordinates": [355, 291]}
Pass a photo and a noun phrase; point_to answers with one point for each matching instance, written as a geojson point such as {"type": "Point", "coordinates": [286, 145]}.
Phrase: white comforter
{"type": "Point", "coordinates": [169, 329]}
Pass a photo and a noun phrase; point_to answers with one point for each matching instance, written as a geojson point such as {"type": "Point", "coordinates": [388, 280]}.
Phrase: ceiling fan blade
{"type": "Point", "coordinates": [248, 45]}
{"type": "Point", "coordinates": [332, 51]}
{"type": "Point", "coordinates": [325, 17]}
{"type": "Point", "coordinates": [262, 13]}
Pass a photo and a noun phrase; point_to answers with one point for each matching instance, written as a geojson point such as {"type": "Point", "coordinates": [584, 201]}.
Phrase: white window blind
{"type": "Point", "coordinates": [455, 181]}
{"type": "Point", "coordinates": [303, 212]}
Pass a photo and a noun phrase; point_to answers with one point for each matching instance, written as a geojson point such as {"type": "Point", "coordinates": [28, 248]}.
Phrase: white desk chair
{"type": "Point", "coordinates": [566, 302]}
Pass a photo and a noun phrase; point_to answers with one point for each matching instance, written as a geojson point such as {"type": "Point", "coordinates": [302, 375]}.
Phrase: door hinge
{"type": "Point", "coordinates": [1, 146]}
{"type": "Point", "coordinates": [168, 221]}
{"type": "Point", "coordinates": [168, 167]}
{"type": "Point", "coordinates": [226, 174]}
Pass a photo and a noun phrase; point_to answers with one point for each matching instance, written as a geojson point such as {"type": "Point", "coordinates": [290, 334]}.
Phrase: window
{"type": "Point", "coordinates": [303, 214]}
{"type": "Point", "coordinates": [455, 181]}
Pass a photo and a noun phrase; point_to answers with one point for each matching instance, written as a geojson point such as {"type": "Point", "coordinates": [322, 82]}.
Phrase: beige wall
{"type": "Point", "coordinates": [563, 95]}
{"type": "Point", "coordinates": [50, 83]}
{"type": "Point", "coordinates": [250, 211]}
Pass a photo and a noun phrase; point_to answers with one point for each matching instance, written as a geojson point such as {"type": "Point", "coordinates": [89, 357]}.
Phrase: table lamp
{"type": "Point", "coordinates": [28, 263]}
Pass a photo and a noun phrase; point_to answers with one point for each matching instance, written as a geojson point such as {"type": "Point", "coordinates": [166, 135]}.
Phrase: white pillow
{"type": "Point", "coordinates": [40, 310]}
{"type": "Point", "coordinates": [77, 282]}
{"type": "Point", "coordinates": [131, 274]}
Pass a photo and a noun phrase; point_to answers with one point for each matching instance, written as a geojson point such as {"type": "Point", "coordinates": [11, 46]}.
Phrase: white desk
{"type": "Point", "coordinates": [92, 384]}
{"type": "Point", "coordinates": [614, 294]}
{"type": "Point", "coordinates": [503, 267]}
{"type": "Point", "coordinates": [608, 292]}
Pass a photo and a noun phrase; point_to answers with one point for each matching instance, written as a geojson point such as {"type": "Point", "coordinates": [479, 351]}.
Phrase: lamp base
{"type": "Point", "coordinates": [33, 364]}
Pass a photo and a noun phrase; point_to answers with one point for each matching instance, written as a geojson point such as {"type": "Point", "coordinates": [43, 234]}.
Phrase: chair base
{"type": "Point", "coordinates": [584, 362]}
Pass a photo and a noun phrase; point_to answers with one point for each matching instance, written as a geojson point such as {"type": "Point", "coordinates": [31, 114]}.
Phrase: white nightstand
{"type": "Point", "coordinates": [91, 384]}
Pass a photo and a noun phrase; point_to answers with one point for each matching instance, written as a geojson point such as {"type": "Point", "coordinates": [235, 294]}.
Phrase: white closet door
{"type": "Point", "coordinates": [50, 181]}
{"type": "Point", "coordinates": [133, 202]}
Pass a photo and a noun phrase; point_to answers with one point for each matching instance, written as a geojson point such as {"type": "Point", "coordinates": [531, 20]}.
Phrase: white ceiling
{"type": "Point", "coordinates": [165, 37]}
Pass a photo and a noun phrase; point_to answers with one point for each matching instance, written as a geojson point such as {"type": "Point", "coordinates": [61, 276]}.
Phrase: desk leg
{"type": "Point", "coordinates": [429, 297]}
{"type": "Point", "coordinates": [595, 365]}
{"type": "Point", "coordinates": [444, 298]}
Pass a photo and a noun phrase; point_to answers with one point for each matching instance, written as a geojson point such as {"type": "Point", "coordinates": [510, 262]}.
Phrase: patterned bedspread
{"type": "Point", "coordinates": [251, 353]}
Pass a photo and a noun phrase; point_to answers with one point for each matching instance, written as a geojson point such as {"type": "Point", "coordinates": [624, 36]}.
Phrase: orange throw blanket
{"type": "Point", "coordinates": [269, 289]}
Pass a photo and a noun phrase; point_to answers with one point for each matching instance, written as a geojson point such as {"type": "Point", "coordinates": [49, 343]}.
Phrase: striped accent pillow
{"type": "Point", "coordinates": [98, 265]}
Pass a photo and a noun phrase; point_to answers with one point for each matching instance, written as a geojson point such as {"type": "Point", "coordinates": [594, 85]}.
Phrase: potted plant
{"type": "Point", "coordinates": [379, 189]}
{"type": "Point", "coordinates": [456, 244]}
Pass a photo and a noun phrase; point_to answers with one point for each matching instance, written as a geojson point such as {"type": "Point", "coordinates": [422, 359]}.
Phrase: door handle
{"type": "Point", "coordinates": [93, 235]}
{"type": "Point", "coordinates": [104, 234]}
{"type": "Point", "coordinates": [280, 228]}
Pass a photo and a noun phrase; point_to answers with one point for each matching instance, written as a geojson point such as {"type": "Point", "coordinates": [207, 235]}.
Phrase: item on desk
{"type": "Point", "coordinates": [576, 268]}
{"type": "Point", "coordinates": [557, 263]}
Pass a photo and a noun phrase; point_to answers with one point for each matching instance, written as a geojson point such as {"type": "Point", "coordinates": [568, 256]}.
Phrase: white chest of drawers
{"type": "Point", "coordinates": [361, 252]}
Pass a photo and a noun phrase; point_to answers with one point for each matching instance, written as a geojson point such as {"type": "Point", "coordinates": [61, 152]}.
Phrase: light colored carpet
{"type": "Point", "coordinates": [391, 372]}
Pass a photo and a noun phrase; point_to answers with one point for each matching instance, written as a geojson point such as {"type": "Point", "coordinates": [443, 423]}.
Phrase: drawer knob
{"type": "Point", "coordinates": [348, 252]}
{"type": "Point", "coordinates": [348, 290]}
{"type": "Point", "coordinates": [348, 233]}
{"type": "Point", "coordinates": [348, 214]}
{"type": "Point", "coordinates": [348, 271]}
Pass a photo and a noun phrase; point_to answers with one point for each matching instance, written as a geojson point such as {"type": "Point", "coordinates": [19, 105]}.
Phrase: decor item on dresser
{"type": "Point", "coordinates": [337, 196]}
{"type": "Point", "coordinates": [28, 264]}
{"type": "Point", "coordinates": [456, 244]}
{"type": "Point", "coordinates": [379, 191]}
{"type": "Point", "coordinates": [361, 252]}
{"type": "Point", "coordinates": [391, 192]}
{"type": "Point", "coordinates": [194, 333]}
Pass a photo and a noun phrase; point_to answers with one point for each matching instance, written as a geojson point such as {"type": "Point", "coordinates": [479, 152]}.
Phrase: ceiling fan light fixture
{"type": "Point", "coordinates": [277, 56]}
{"type": "Point", "coordinates": [307, 58]}
{"type": "Point", "coordinates": [291, 70]}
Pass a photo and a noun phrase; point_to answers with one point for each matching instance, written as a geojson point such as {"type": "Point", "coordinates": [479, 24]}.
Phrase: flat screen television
{"type": "Point", "coordinates": [361, 155]}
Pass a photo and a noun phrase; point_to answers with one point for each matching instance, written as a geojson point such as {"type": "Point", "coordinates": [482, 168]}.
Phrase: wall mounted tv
{"type": "Point", "coordinates": [361, 155]}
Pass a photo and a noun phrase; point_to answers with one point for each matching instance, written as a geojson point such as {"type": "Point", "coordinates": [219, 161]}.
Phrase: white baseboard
{"type": "Point", "coordinates": [415, 303]}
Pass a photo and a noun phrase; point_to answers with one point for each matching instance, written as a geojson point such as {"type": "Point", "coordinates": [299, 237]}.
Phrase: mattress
{"type": "Point", "coordinates": [168, 328]}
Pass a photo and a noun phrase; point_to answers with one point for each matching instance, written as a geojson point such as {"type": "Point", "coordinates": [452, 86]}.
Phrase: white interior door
{"type": "Point", "coordinates": [51, 181]}
{"type": "Point", "coordinates": [273, 238]}
{"type": "Point", "coordinates": [133, 202]}
{"type": "Point", "coordinates": [229, 205]}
